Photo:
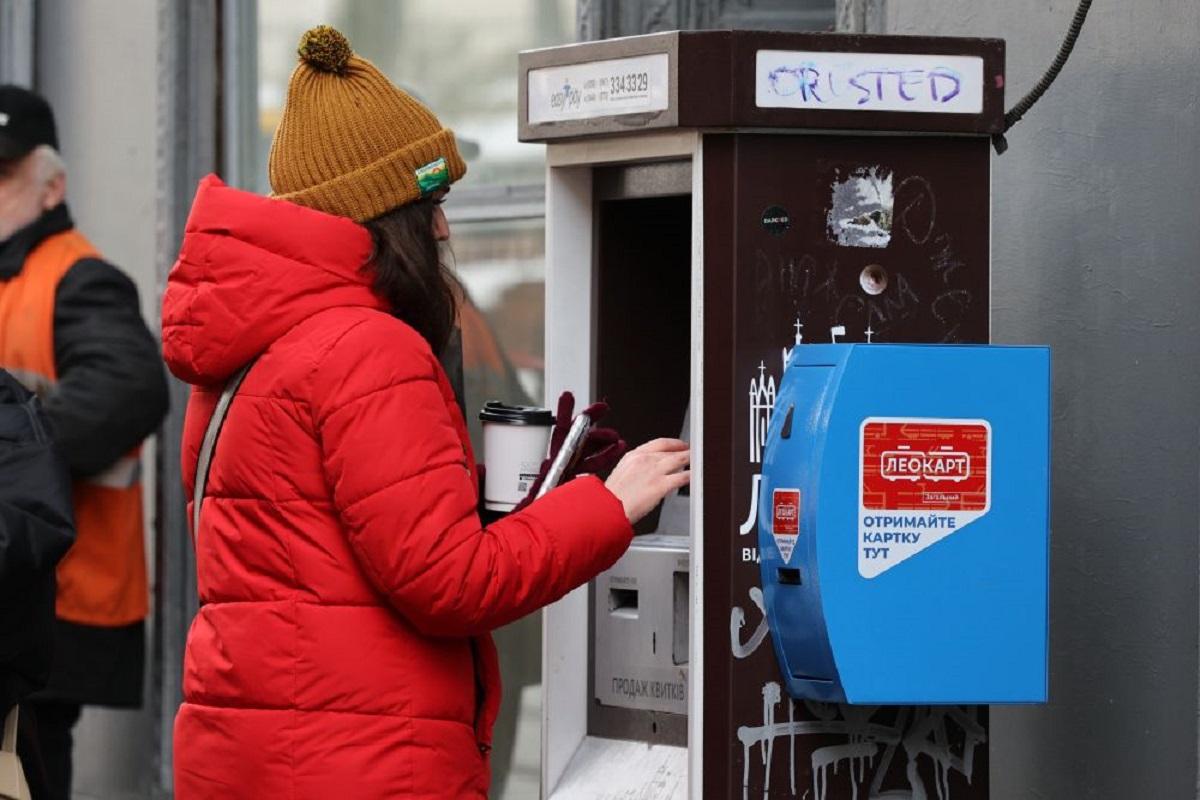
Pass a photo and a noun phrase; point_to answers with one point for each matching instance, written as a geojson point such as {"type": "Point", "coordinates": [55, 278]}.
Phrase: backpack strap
{"type": "Point", "coordinates": [210, 443]}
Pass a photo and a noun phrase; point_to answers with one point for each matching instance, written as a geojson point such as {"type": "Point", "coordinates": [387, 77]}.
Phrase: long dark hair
{"type": "Point", "coordinates": [409, 272]}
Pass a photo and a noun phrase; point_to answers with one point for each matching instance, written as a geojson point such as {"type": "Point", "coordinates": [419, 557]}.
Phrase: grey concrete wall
{"type": "Point", "coordinates": [1096, 244]}
{"type": "Point", "coordinates": [97, 64]}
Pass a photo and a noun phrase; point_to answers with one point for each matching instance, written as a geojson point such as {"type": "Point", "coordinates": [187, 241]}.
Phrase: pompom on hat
{"type": "Point", "coordinates": [352, 144]}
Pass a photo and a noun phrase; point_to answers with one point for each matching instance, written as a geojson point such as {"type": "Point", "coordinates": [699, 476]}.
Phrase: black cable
{"type": "Point", "coordinates": [1064, 52]}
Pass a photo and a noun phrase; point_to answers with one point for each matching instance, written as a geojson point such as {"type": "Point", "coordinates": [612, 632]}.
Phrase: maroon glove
{"type": "Point", "coordinates": [602, 448]}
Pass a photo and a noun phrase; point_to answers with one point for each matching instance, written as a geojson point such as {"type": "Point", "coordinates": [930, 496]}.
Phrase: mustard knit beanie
{"type": "Point", "coordinates": [352, 144]}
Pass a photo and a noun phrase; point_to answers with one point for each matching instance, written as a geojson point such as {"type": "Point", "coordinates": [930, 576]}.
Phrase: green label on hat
{"type": "Point", "coordinates": [433, 176]}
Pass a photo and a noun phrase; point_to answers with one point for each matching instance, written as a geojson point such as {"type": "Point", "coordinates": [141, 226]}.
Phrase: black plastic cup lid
{"type": "Point", "coordinates": [495, 411]}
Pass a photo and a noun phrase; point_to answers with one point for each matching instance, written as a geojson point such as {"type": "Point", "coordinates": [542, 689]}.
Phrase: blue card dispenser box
{"type": "Point", "coordinates": [903, 523]}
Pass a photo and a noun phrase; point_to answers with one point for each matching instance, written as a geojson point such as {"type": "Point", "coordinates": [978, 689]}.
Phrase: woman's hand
{"type": "Point", "coordinates": [648, 474]}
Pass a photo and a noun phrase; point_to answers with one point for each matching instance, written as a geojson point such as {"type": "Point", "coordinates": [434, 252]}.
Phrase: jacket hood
{"type": "Point", "coordinates": [251, 268]}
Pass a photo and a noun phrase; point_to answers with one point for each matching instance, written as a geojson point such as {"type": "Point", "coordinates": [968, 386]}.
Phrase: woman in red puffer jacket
{"type": "Point", "coordinates": [347, 586]}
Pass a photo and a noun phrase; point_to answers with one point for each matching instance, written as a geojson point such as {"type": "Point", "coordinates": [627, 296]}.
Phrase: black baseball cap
{"type": "Point", "coordinates": [26, 121]}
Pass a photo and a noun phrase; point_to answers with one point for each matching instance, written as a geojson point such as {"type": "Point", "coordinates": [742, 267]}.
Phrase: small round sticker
{"type": "Point", "coordinates": [776, 220]}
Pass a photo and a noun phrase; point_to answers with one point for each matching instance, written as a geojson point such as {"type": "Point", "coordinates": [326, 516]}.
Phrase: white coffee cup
{"type": "Point", "coordinates": [516, 440]}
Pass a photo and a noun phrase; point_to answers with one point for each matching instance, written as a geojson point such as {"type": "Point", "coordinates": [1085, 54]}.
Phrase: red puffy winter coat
{"type": "Point", "coordinates": [347, 587]}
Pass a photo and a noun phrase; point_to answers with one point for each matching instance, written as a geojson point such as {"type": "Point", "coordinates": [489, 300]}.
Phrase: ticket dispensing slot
{"type": "Point", "coordinates": [640, 607]}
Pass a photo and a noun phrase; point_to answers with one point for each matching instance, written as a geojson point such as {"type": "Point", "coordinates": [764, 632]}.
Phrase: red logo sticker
{"type": "Point", "coordinates": [786, 515]}
{"type": "Point", "coordinates": [911, 465]}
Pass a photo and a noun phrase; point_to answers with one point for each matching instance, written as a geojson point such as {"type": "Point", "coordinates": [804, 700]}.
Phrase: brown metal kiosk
{"type": "Point", "coordinates": [713, 200]}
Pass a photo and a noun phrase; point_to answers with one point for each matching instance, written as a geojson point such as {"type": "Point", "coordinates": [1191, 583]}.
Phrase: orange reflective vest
{"type": "Point", "coordinates": [102, 579]}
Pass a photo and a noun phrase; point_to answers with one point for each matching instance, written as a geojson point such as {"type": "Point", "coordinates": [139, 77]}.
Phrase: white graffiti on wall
{"type": "Point", "coordinates": [737, 620]}
{"type": "Point", "coordinates": [762, 402]}
{"type": "Point", "coordinates": [870, 748]}
{"type": "Point", "coordinates": [787, 351]}
{"type": "Point", "coordinates": [752, 517]}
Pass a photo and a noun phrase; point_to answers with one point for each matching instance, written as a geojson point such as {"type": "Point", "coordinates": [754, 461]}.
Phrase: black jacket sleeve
{"type": "Point", "coordinates": [112, 389]}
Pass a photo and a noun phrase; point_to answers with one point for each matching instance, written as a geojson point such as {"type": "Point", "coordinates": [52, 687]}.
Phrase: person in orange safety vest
{"type": "Point", "coordinates": [71, 330]}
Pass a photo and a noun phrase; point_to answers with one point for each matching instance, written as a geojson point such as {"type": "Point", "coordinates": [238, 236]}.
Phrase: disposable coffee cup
{"type": "Point", "coordinates": [516, 440]}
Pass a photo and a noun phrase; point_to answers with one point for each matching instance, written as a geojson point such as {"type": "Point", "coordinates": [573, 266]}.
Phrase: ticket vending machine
{"type": "Point", "coordinates": [714, 200]}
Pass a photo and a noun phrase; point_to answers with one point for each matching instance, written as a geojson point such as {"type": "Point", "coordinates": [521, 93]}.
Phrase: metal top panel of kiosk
{"type": "Point", "coordinates": [752, 79]}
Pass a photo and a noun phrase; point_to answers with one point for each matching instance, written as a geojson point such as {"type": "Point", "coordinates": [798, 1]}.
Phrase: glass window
{"type": "Point", "coordinates": [501, 265]}
{"type": "Point", "coordinates": [460, 59]}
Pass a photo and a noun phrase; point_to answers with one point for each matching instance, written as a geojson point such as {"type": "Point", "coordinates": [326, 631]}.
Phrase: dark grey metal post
{"type": "Point", "coordinates": [189, 125]}
{"type": "Point", "coordinates": [17, 41]}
